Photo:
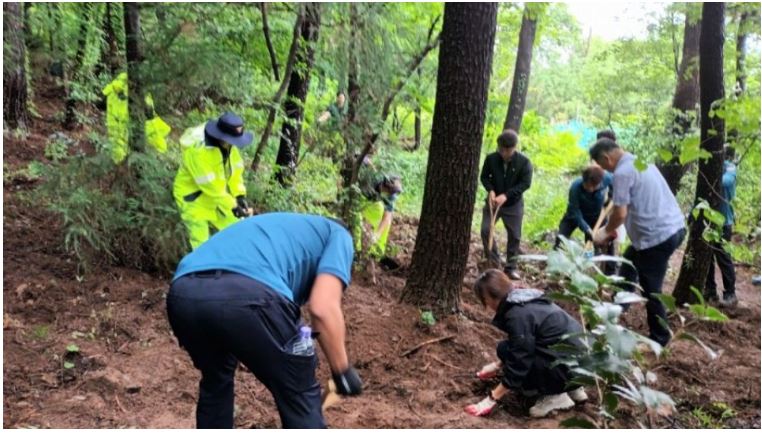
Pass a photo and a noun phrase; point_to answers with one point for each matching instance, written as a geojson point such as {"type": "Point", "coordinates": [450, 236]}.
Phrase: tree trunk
{"type": "Point", "coordinates": [698, 254]}
{"type": "Point", "coordinates": [73, 72]}
{"type": "Point", "coordinates": [110, 47]}
{"type": "Point", "coordinates": [684, 101]}
{"type": "Point", "coordinates": [417, 120]}
{"type": "Point", "coordinates": [291, 131]}
{"type": "Point", "coordinates": [521, 72]}
{"type": "Point", "coordinates": [268, 41]}
{"type": "Point", "coordinates": [281, 90]}
{"type": "Point", "coordinates": [15, 109]}
{"type": "Point", "coordinates": [441, 247]}
{"type": "Point", "coordinates": [134, 58]}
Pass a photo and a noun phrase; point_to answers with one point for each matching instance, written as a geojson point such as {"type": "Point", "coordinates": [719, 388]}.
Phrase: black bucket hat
{"type": "Point", "coordinates": [229, 128]}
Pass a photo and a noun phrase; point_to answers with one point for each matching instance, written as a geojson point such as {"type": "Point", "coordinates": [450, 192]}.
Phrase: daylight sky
{"type": "Point", "coordinates": [611, 20]}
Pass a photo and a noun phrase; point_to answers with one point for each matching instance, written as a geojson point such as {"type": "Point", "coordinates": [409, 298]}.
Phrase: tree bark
{"type": "Point", "coordinates": [417, 121]}
{"type": "Point", "coordinates": [281, 90]}
{"type": "Point", "coordinates": [134, 59]}
{"type": "Point", "coordinates": [268, 41]}
{"type": "Point", "coordinates": [15, 108]}
{"type": "Point", "coordinates": [73, 72]}
{"type": "Point", "coordinates": [521, 72]}
{"type": "Point", "coordinates": [441, 248]}
{"type": "Point", "coordinates": [109, 58]}
{"type": "Point", "coordinates": [684, 102]}
{"type": "Point", "coordinates": [698, 254]}
{"type": "Point", "coordinates": [298, 86]}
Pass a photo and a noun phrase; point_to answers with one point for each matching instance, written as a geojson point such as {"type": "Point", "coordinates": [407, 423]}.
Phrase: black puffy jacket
{"type": "Point", "coordinates": [534, 324]}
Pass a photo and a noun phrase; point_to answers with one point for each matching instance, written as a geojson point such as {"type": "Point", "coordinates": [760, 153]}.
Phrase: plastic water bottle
{"type": "Point", "coordinates": [304, 345]}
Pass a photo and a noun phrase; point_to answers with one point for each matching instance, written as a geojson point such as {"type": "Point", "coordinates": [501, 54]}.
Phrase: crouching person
{"type": "Point", "coordinates": [533, 324]}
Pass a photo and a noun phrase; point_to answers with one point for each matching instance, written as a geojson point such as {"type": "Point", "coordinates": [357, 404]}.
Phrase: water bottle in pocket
{"type": "Point", "coordinates": [302, 343]}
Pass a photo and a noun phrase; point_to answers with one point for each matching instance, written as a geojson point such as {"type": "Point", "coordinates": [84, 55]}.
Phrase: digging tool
{"type": "Point", "coordinates": [602, 217]}
{"type": "Point", "coordinates": [493, 212]}
{"type": "Point", "coordinates": [330, 397]}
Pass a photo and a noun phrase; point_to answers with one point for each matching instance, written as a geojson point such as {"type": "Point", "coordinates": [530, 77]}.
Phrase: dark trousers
{"type": "Point", "coordinates": [650, 267]}
{"type": "Point", "coordinates": [512, 217]}
{"type": "Point", "coordinates": [567, 227]}
{"type": "Point", "coordinates": [544, 378]}
{"type": "Point", "coordinates": [221, 318]}
{"type": "Point", "coordinates": [727, 271]}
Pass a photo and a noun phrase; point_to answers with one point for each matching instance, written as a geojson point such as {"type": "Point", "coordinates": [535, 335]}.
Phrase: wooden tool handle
{"type": "Point", "coordinates": [330, 397]}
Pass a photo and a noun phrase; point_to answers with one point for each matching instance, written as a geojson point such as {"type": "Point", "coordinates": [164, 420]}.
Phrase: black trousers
{"type": "Point", "coordinates": [727, 271]}
{"type": "Point", "coordinates": [221, 318]}
{"type": "Point", "coordinates": [650, 268]}
{"type": "Point", "coordinates": [513, 217]}
{"type": "Point", "coordinates": [544, 378]}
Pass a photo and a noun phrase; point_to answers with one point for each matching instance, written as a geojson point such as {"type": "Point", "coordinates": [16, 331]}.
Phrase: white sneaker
{"type": "Point", "coordinates": [578, 395]}
{"type": "Point", "coordinates": [549, 403]}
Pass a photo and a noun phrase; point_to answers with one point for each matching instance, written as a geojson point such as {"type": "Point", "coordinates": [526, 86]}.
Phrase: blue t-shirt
{"type": "Point", "coordinates": [284, 251]}
{"type": "Point", "coordinates": [729, 193]}
{"type": "Point", "coordinates": [585, 206]}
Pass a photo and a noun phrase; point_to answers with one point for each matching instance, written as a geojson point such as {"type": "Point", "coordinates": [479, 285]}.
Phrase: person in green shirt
{"type": "Point", "coordinates": [335, 111]}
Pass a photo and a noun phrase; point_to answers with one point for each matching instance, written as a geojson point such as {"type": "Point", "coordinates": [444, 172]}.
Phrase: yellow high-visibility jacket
{"type": "Point", "coordinates": [117, 116]}
{"type": "Point", "coordinates": [204, 187]}
{"type": "Point", "coordinates": [156, 129]}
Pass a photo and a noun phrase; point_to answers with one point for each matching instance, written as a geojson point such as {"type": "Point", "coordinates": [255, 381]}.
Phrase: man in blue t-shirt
{"type": "Point", "coordinates": [237, 298]}
{"type": "Point", "coordinates": [722, 257]}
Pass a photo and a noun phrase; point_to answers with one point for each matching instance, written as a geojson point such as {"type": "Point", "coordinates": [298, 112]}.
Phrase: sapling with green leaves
{"type": "Point", "coordinates": [614, 359]}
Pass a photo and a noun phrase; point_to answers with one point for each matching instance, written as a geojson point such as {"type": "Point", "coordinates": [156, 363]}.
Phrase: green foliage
{"type": "Point", "coordinates": [612, 357]}
{"type": "Point", "coordinates": [114, 216]}
{"type": "Point", "coordinates": [427, 318]}
{"type": "Point", "coordinates": [72, 348]}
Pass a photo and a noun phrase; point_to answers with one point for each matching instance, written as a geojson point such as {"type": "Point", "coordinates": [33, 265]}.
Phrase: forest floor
{"type": "Point", "coordinates": [129, 371]}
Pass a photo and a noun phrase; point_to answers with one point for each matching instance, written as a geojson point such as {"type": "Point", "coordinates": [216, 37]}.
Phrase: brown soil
{"type": "Point", "coordinates": [129, 371]}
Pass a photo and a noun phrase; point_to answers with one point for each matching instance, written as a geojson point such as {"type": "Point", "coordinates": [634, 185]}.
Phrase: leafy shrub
{"type": "Point", "coordinates": [120, 215]}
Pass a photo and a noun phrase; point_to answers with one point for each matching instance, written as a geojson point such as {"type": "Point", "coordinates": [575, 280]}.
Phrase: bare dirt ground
{"type": "Point", "coordinates": [128, 370]}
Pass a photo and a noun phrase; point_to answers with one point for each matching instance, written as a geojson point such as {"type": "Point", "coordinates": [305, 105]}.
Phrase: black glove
{"type": "Point", "coordinates": [241, 200]}
{"type": "Point", "coordinates": [348, 382]}
{"type": "Point", "coordinates": [242, 210]}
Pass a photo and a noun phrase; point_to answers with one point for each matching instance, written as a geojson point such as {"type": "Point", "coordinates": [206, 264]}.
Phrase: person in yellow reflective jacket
{"type": "Point", "coordinates": [209, 188]}
{"type": "Point", "coordinates": [118, 120]}
{"type": "Point", "coordinates": [117, 116]}
{"type": "Point", "coordinates": [379, 193]}
{"type": "Point", "coordinates": [156, 129]}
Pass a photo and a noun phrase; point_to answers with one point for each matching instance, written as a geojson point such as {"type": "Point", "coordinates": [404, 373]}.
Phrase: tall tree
{"type": "Point", "coordinates": [746, 21]}
{"type": "Point", "coordinates": [109, 58]}
{"type": "Point", "coordinates": [685, 98]}
{"type": "Point", "coordinates": [441, 247]}
{"type": "Point", "coordinates": [15, 108]}
{"type": "Point", "coordinates": [698, 254]}
{"type": "Point", "coordinates": [74, 70]}
{"type": "Point", "coordinates": [293, 106]}
{"type": "Point", "coordinates": [134, 59]}
{"type": "Point", "coordinates": [268, 40]}
{"type": "Point", "coordinates": [417, 120]}
{"type": "Point", "coordinates": [521, 71]}
{"type": "Point", "coordinates": [275, 102]}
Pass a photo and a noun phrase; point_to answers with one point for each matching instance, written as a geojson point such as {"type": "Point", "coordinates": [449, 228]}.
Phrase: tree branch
{"type": "Point", "coordinates": [412, 67]}
{"type": "Point", "coordinates": [268, 41]}
{"type": "Point", "coordinates": [275, 103]}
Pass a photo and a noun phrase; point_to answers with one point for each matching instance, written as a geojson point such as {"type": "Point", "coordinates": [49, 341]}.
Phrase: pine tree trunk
{"type": "Point", "coordinates": [684, 102]}
{"type": "Point", "coordinates": [134, 58]}
{"type": "Point", "coordinates": [698, 254]}
{"type": "Point", "coordinates": [15, 109]}
{"type": "Point", "coordinates": [73, 72]}
{"type": "Point", "coordinates": [521, 72]}
{"type": "Point", "coordinates": [441, 248]}
{"type": "Point", "coordinates": [109, 58]}
{"type": "Point", "coordinates": [298, 86]}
